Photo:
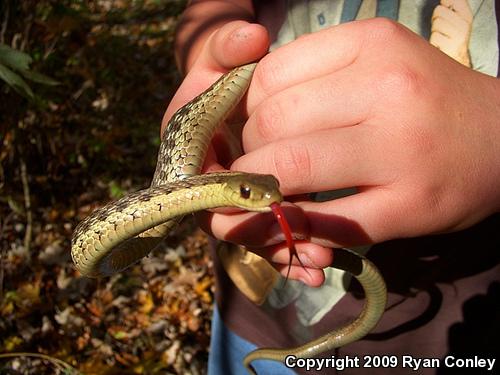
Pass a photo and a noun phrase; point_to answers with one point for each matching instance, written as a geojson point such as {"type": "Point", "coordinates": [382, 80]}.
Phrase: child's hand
{"type": "Point", "coordinates": [369, 104]}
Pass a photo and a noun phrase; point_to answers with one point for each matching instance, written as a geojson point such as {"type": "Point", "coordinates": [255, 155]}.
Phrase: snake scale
{"type": "Point", "coordinates": [122, 232]}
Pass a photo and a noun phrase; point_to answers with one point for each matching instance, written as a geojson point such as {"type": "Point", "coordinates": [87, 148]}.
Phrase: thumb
{"type": "Point", "coordinates": [234, 44]}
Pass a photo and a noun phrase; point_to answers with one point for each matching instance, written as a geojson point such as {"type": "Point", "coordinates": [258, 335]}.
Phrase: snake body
{"type": "Point", "coordinates": [375, 300]}
{"type": "Point", "coordinates": [122, 232]}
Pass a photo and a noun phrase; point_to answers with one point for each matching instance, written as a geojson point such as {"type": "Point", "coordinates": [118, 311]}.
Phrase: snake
{"type": "Point", "coordinates": [119, 234]}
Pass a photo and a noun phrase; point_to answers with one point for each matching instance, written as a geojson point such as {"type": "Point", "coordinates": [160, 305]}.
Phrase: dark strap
{"type": "Point", "coordinates": [388, 9]}
{"type": "Point", "coordinates": [385, 8]}
{"type": "Point", "coordinates": [350, 10]}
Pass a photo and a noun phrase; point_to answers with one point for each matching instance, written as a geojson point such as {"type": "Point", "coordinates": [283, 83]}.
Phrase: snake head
{"type": "Point", "coordinates": [253, 192]}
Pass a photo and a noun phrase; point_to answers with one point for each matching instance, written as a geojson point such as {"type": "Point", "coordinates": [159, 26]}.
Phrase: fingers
{"type": "Point", "coordinates": [285, 68]}
{"type": "Point", "coordinates": [314, 258]}
{"type": "Point", "coordinates": [448, 21]}
{"type": "Point", "coordinates": [450, 30]}
{"type": "Point", "coordinates": [262, 235]}
{"type": "Point", "coordinates": [326, 160]}
{"type": "Point", "coordinates": [311, 277]}
{"type": "Point", "coordinates": [446, 27]}
{"type": "Point", "coordinates": [358, 219]}
{"type": "Point", "coordinates": [374, 215]}
{"type": "Point", "coordinates": [302, 60]}
{"type": "Point", "coordinates": [251, 229]}
{"type": "Point", "coordinates": [460, 7]}
{"type": "Point", "coordinates": [335, 100]}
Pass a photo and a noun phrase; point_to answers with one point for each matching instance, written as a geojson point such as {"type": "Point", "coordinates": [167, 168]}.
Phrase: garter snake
{"type": "Point", "coordinates": [122, 232]}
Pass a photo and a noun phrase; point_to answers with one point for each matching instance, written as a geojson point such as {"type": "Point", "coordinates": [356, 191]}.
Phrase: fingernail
{"type": "Point", "coordinates": [306, 260]}
{"type": "Point", "coordinates": [306, 279]}
{"type": "Point", "coordinates": [275, 233]}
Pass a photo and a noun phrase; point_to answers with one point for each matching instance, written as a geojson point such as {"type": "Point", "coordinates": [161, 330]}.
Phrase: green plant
{"type": "Point", "coordinates": [13, 62]}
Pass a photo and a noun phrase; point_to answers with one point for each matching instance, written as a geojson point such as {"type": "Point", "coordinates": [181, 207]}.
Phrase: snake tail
{"type": "Point", "coordinates": [375, 301]}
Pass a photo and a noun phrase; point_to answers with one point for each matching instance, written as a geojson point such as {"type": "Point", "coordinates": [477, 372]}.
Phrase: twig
{"type": "Point", "coordinates": [27, 205]}
{"type": "Point", "coordinates": [5, 21]}
{"type": "Point", "coordinates": [50, 48]}
{"type": "Point", "coordinates": [2, 251]}
{"type": "Point", "coordinates": [26, 33]}
{"type": "Point", "coordinates": [59, 363]}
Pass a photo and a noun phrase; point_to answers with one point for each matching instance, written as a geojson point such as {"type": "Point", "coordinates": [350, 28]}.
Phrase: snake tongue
{"type": "Point", "coordinates": [285, 227]}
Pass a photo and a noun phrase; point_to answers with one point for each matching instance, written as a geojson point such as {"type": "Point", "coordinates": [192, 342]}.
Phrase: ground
{"type": "Point", "coordinates": [70, 148]}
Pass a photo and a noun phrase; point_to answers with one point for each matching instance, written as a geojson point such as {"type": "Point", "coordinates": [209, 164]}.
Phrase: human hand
{"type": "Point", "coordinates": [451, 28]}
{"type": "Point", "coordinates": [236, 43]}
{"type": "Point", "coordinates": [368, 104]}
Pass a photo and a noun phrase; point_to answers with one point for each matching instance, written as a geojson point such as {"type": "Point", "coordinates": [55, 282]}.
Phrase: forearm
{"type": "Point", "coordinates": [198, 22]}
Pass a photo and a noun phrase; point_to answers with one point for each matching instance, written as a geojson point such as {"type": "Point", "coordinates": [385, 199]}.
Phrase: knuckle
{"type": "Point", "coordinates": [292, 164]}
{"type": "Point", "coordinates": [383, 29]}
{"type": "Point", "coordinates": [437, 208]}
{"type": "Point", "coordinates": [399, 81]}
{"type": "Point", "coordinates": [269, 74]}
{"type": "Point", "coordinates": [430, 200]}
{"type": "Point", "coordinates": [416, 208]}
{"type": "Point", "coordinates": [440, 11]}
{"type": "Point", "coordinates": [269, 121]}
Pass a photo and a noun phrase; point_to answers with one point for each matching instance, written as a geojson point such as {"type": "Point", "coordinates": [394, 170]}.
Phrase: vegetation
{"type": "Point", "coordinates": [83, 87]}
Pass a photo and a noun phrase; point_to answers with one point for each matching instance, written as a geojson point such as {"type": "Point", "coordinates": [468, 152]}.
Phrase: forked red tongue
{"type": "Point", "coordinates": [280, 217]}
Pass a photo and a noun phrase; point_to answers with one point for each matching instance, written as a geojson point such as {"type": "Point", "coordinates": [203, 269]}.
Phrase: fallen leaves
{"type": "Point", "coordinates": [21, 301]}
{"type": "Point", "coordinates": [139, 324]}
{"type": "Point", "coordinates": [94, 137]}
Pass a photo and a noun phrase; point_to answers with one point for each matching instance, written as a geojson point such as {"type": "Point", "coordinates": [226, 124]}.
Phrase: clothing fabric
{"type": "Point", "coordinates": [227, 351]}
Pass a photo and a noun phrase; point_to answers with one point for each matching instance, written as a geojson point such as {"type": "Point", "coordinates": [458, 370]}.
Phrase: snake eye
{"type": "Point", "coordinates": [245, 191]}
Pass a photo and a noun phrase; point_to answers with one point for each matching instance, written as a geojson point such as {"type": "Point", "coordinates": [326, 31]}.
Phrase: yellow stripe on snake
{"type": "Point", "coordinates": [119, 234]}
